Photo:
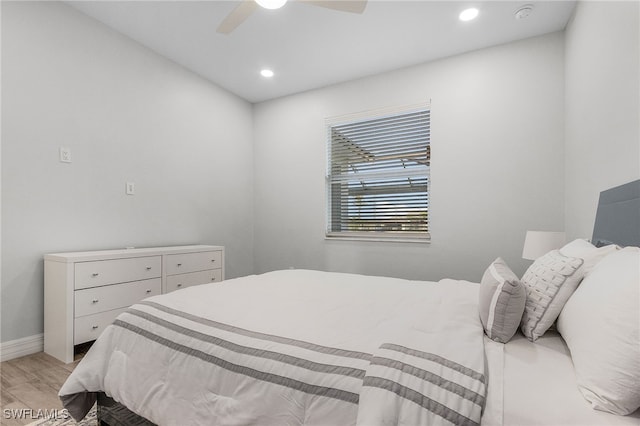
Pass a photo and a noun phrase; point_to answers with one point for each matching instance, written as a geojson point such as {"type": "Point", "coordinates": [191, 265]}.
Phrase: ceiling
{"type": "Point", "coordinates": [310, 47]}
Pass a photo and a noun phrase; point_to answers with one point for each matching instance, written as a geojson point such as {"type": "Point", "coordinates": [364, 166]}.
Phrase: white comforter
{"type": "Point", "coordinates": [291, 348]}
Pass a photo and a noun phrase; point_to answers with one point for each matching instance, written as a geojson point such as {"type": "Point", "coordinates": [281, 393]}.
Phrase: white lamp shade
{"type": "Point", "coordinates": [538, 243]}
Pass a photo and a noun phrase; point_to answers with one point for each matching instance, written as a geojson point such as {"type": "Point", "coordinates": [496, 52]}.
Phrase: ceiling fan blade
{"type": "Point", "coordinates": [353, 6]}
{"type": "Point", "coordinates": [237, 16]}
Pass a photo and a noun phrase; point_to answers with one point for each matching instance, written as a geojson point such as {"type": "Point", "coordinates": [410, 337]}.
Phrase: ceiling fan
{"type": "Point", "coordinates": [247, 7]}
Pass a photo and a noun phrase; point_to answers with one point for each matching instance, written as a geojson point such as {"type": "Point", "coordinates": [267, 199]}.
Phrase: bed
{"type": "Point", "coordinates": [320, 348]}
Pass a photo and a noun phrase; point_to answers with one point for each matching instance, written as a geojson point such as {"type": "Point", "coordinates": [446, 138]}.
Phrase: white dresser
{"type": "Point", "coordinates": [85, 291]}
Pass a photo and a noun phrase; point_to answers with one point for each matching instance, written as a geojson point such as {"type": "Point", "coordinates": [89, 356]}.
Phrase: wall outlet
{"type": "Point", "coordinates": [65, 154]}
{"type": "Point", "coordinates": [131, 188]}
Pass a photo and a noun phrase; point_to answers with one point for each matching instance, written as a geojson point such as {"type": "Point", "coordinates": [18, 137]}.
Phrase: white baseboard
{"type": "Point", "coordinates": [21, 347]}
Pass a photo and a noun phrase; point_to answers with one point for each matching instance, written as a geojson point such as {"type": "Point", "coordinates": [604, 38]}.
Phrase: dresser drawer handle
{"type": "Point", "coordinates": [179, 285]}
{"type": "Point", "coordinates": [179, 264]}
{"type": "Point", "coordinates": [148, 291]}
{"type": "Point", "coordinates": [213, 279]}
{"type": "Point", "coordinates": [95, 274]}
{"type": "Point", "coordinates": [95, 301]}
{"type": "Point", "coordinates": [148, 268]}
{"type": "Point", "coordinates": [94, 327]}
{"type": "Point", "coordinates": [213, 260]}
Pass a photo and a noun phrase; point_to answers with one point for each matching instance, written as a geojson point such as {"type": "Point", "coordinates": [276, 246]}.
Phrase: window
{"type": "Point", "coordinates": [378, 176]}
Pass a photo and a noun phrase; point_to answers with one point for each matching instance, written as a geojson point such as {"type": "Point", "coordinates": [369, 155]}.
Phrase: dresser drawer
{"type": "Point", "coordinates": [192, 262]}
{"type": "Point", "coordinates": [89, 327]}
{"type": "Point", "coordinates": [176, 282]}
{"type": "Point", "coordinates": [93, 300]}
{"type": "Point", "coordinates": [103, 272]}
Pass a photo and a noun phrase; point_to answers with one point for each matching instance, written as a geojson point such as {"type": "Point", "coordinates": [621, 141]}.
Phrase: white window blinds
{"type": "Point", "coordinates": [378, 176]}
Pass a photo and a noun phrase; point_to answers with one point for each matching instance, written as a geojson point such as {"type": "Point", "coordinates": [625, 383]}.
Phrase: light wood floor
{"type": "Point", "coordinates": [32, 382]}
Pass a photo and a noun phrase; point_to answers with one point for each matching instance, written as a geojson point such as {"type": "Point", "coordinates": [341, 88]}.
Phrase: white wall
{"type": "Point", "coordinates": [128, 115]}
{"type": "Point", "coordinates": [497, 167]}
{"type": "Point", "coordinates": [498, 132]}
{"type": "Point", "coordinates": [602, 112]}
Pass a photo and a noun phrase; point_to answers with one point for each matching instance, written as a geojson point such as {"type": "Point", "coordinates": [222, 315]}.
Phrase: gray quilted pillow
{"type": "Point", "coordinates": [501, 301]}
{"type": "Point", "coordinates": [549, 282]}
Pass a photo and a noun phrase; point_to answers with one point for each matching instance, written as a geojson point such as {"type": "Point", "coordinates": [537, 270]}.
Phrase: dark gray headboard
{"type": "Point", "coordinates": [618, 216]}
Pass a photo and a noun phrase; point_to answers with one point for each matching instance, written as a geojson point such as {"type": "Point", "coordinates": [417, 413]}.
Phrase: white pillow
{"type": "Point", "coordinates": [548, 283]}
{"type": "Point", "coordinates": [601, 325]}
{"type": "Point", "coordinates": [552, 279]}
{"type": "Point", "coordinates": [588, 252]}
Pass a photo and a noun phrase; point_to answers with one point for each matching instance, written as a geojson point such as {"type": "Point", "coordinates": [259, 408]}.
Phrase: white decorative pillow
{"type": "Point", "coordinates": [501, 301]}
{"type": "Point", "coordinates": [551, 280]}
{"type": "Point", "coordinates": [548, 283]}
{"type": "Point", "coordinates": [601, 325]}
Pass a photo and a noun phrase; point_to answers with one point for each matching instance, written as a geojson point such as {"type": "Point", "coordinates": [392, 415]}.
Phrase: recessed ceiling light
{"type": "Point", "coordinates": [271, 4]}
{"type": "Point", "coordinates": [468, 14]}
{"type": "Point", "coordinates": [266, 73]}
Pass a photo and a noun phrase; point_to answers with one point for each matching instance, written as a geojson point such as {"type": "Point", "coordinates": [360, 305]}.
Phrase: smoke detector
{"type": "Point", "coordinates": [524, 11]}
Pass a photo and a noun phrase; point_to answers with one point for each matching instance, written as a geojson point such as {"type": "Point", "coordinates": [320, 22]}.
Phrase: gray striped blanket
{"type": "Point", "coordinates": [293, 348]}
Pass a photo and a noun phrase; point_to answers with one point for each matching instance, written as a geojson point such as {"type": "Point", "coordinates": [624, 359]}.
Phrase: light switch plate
{"type": "Point", "coordinates": [131, 188]}
{"type": "Point", "coordinates": [65, 154]}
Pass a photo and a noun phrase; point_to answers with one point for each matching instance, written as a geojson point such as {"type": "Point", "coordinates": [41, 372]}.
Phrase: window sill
{"type": "Point", "coordinates": [379, 237]}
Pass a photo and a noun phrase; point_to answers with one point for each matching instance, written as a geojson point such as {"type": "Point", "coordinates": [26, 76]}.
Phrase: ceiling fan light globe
{"type": "Point", "coordinates": [271, 4]}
